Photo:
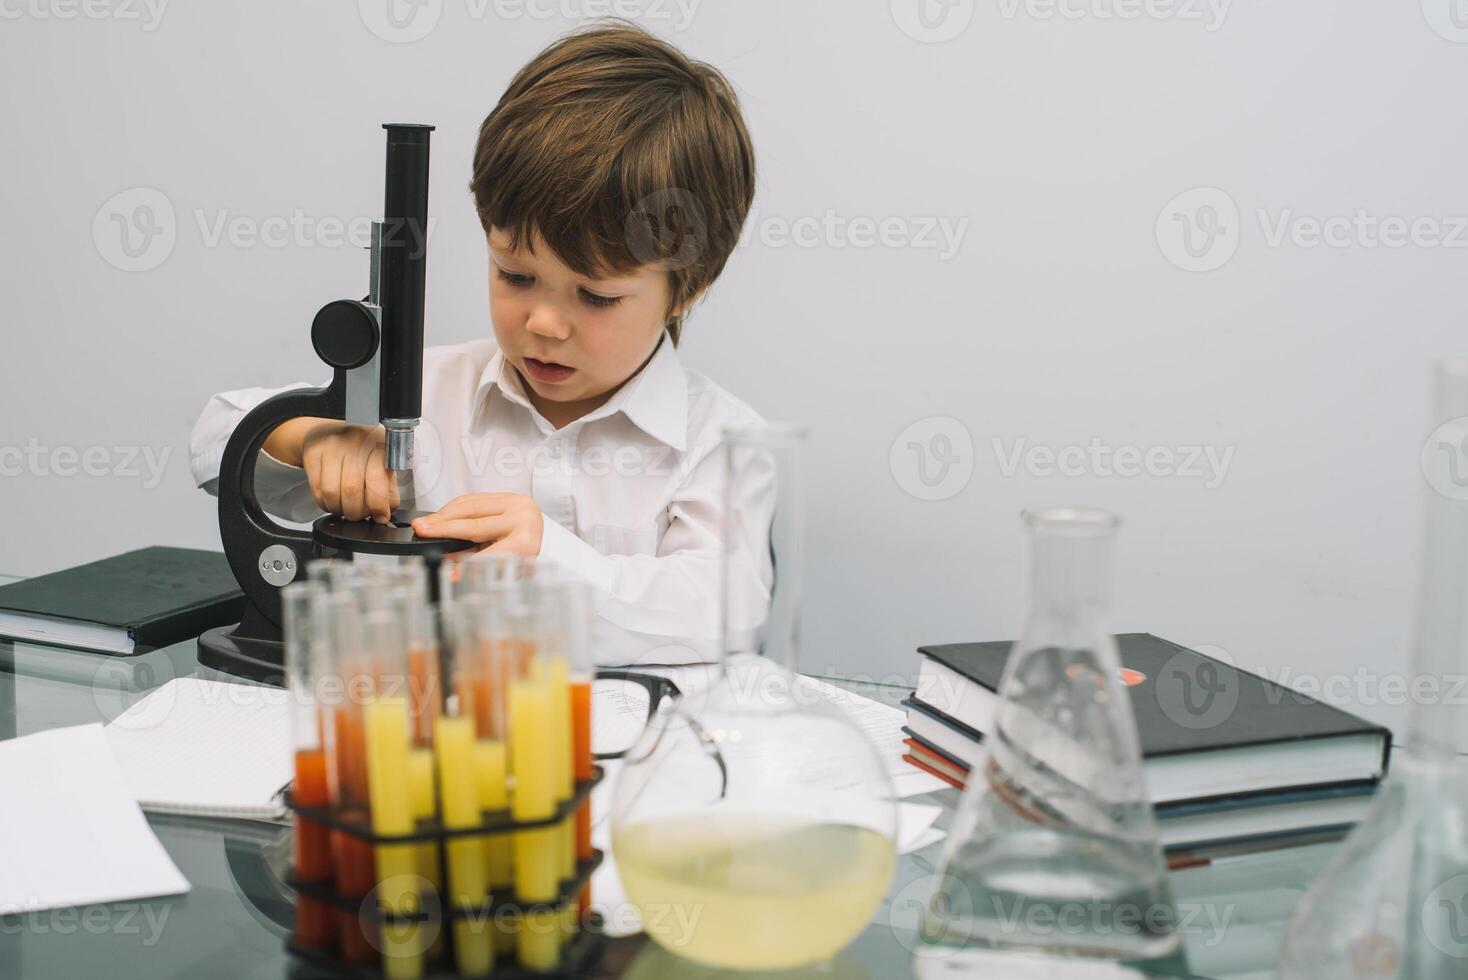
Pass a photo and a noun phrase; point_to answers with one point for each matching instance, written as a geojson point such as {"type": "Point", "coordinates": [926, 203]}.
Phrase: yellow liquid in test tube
{"type": "Point", "coordinates": [420, 776]}
{"type": "Point", "coordinates": [454, 739]}
{"type": "Point", "coordinates": [491, 770]}
{"type": "Point", "coordinates": [537, 858]}
{"type": "Point", "coordinates": [747, 892]}
{"type": "Point", "coordinates": [390, 793]}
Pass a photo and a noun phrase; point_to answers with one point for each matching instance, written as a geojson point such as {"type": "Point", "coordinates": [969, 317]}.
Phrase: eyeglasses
{"type": "Point", "coordinates": [622, 703]}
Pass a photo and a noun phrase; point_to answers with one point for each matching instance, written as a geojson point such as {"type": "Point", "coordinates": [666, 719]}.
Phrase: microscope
{"type": "Point", "coordinates": [375, 349]}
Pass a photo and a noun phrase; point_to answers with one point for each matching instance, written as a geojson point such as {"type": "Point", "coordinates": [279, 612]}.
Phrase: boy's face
{"type": "Point", "coordinates": [573, 339]}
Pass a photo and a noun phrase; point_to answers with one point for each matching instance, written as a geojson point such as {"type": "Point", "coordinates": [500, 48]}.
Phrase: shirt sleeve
{"type": "Point", "coordinates": [282, 489]}
{"type": "Point", "coordinates": [665, 607]}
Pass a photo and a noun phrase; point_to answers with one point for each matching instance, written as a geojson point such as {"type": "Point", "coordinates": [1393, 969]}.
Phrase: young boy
{"type": "Point", "coordinates": [612, 180]}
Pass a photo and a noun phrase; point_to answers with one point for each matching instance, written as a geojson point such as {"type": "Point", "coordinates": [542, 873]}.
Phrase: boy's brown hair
{"type": "Point", "coordinates": [619, 151]}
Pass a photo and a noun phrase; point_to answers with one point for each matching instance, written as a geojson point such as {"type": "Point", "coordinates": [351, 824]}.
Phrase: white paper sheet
{"type": "Point", "coordinates": [206, 748]}
{"type": "Point", "coordinates": [70, 833]}
{"type": "Point", "coordinates": [882, 724]}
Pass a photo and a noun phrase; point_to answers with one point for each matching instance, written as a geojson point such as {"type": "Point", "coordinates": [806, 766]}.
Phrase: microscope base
{"type": "Point", "coordinates": [250, 649]}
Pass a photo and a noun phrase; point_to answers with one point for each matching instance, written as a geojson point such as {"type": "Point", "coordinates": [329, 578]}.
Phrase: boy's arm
{"type": "Point", "coordinates": [280, 483]}
{"type": "Point", "coordinates": [665, 607]}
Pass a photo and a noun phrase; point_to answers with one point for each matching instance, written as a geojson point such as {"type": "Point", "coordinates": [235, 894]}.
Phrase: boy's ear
{"type": "Point", "coordinates": [681, 309]}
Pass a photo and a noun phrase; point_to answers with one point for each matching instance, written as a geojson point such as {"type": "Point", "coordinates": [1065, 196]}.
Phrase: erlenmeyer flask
{"type": "Point", "coordinates": [1054, 848]}
{"type": "Point", "coordinates": [753, 824]}
{"type": "Point", "coordinates": [1393, 904]}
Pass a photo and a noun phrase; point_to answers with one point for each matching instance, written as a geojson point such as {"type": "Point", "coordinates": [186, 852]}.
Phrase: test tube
{"type": "Point", "coordinates": [533, 755]}
{"type": "Point", "coordinates": [498, 582]}
{"type": "Point", "coordinates": [552, 598]}
{"type": "Point", "coordinates": [576, 619]}
{"type": "Point", "coordinates": [455, 737]}
{"type": "Point", "coordinates": [388, 736]}
{"type": "Point", "coordinates": [352, 683]}
{"type": "Point", "coordinates": [305, 653]}
{"type": "Point", "coordinates": [408, 599]}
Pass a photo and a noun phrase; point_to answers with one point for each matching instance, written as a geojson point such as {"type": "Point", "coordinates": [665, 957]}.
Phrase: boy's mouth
{"type": "Point", "coordinates": [548, 371]}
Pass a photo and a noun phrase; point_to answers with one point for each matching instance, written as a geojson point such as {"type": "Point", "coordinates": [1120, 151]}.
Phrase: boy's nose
{"type": "Point", "coordinates": [545, 322]}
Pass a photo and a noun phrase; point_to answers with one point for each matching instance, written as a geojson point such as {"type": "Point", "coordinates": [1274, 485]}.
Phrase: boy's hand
{"type": "Point", "coordinates": [346, 466]}
{"type": "Point", "coordinates": [509, 522]}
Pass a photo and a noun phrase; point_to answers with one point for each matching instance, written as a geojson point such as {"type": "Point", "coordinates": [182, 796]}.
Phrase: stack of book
{"type": "Point", "coordinates": [1234, 764]}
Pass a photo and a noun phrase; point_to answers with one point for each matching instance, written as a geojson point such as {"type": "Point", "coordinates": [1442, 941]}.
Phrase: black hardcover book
{"type": "Point", "coordinates": [1207, 728]}
{"type": "Point", "coordinates": [124, 605]}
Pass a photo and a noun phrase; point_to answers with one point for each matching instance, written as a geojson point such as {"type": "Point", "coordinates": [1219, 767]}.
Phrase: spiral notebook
{"type": "Point", "coordinates": [207, 749]}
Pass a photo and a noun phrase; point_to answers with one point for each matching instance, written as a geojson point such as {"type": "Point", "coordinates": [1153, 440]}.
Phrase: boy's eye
{"type": "Point", "coordinates": [596, 299]}
{"type": "Point", "coordinates": [514, 278]}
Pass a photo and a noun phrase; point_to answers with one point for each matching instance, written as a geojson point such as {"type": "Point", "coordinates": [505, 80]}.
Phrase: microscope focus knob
{"type": "Point", "coordinates": [345, 334]}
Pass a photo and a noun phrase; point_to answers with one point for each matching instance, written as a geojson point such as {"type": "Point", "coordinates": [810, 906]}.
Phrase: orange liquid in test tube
{"type": "Point", "coordinates": [315, 925]}
{"type": "Point", "coordinates": [582, 765]}
{"type": "Point", "coordinates": [355, 864]}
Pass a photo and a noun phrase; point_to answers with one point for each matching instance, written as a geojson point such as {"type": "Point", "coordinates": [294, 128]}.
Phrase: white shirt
{"type": "Point", "coordinates": [631, 494]}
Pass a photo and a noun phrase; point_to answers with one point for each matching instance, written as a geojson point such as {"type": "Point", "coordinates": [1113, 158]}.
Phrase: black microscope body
{"type": "Point", "coordinates": [375, 349]}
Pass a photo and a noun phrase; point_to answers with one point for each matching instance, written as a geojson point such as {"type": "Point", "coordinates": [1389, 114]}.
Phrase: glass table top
{"type": "Point", "coordinates": [235, 920]}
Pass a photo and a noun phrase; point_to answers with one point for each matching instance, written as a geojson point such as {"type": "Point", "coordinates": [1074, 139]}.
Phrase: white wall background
{"type": "Point", "coordinates": [1057, 136]}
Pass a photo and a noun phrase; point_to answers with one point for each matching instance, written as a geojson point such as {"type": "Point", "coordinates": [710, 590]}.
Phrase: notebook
{"type": "Point", "coordinates": [124, 605]}
{"type": "Point", "coordinates": [206, 748]}
{"type": "Point", "coordinates": [1207, 729]}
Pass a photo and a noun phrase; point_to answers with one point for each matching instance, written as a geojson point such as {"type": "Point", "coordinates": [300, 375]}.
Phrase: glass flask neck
{"type": "Point", "coordinates": [1071, 568]}
{"type": "Point", "coordinates": [1438, 728]}
{"type": "Point", "coordinates": [762, 563]}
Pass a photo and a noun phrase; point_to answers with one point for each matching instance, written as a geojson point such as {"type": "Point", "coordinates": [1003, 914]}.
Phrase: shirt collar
{"type": "Point", "coordinates": [655, 399]}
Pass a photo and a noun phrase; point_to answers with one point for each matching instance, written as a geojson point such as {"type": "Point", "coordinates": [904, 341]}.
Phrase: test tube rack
{"type": "Point", "coordinates": [578, 954]}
